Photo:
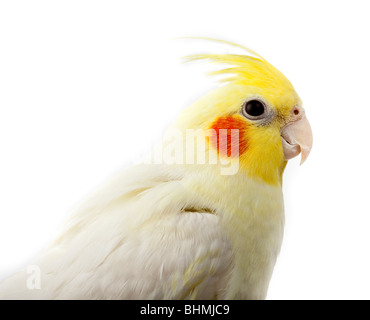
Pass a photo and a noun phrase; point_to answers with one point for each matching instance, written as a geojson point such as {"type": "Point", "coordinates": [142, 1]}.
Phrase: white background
{"type": "Point", "coordinates": [86, 86]}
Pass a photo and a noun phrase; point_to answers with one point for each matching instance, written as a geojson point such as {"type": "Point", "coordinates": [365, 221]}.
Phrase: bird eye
{"type": "Point", "coordinates": [253, 109]}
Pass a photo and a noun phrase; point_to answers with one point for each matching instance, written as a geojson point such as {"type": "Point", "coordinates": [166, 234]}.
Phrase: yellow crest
{"type": "Point", "coordinates": [251, 70]}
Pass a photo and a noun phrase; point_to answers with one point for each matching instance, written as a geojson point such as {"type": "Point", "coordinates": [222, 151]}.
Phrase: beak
{"type": "Point", "coordinates": [296, 136]}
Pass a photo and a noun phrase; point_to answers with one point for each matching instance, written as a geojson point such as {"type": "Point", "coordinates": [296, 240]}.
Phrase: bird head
{"type": "Point", "coordinates": [259, 107]}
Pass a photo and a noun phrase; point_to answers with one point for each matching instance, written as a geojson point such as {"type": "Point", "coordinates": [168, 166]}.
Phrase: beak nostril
{"type": "Point", "coordinates": [296, 112]}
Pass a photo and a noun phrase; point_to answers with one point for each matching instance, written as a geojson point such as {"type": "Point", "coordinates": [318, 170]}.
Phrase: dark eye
{"type": "Point", "coordinates": [253, 109]}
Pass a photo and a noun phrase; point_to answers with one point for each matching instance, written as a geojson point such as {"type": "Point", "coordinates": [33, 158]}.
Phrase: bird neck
{"type": "Point", "coordinates": [252, 215]}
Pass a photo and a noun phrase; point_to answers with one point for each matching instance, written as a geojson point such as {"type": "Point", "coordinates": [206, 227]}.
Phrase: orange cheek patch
{"type": "Point", "coordinates": [227, 141]}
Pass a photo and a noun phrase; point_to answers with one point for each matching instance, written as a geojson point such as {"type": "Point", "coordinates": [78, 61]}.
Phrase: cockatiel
{"type": "Point", "coordinates": [204, 226]}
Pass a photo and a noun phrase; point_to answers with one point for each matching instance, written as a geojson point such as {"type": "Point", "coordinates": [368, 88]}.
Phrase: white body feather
{"type": "Point", "coordinates": [164, 232]}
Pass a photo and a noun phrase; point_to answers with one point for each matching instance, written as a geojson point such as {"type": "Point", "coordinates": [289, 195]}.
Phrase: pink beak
{"type": "Point", "coordinates": [296, 136]}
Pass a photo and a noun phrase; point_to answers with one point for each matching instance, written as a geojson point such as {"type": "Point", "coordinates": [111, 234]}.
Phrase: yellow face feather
{"type": "Point", "coordinates": [248, 77]}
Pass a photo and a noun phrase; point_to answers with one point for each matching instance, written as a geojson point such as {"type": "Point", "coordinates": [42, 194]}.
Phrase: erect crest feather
{"type": "Point", "coordinates": [250, 69]}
